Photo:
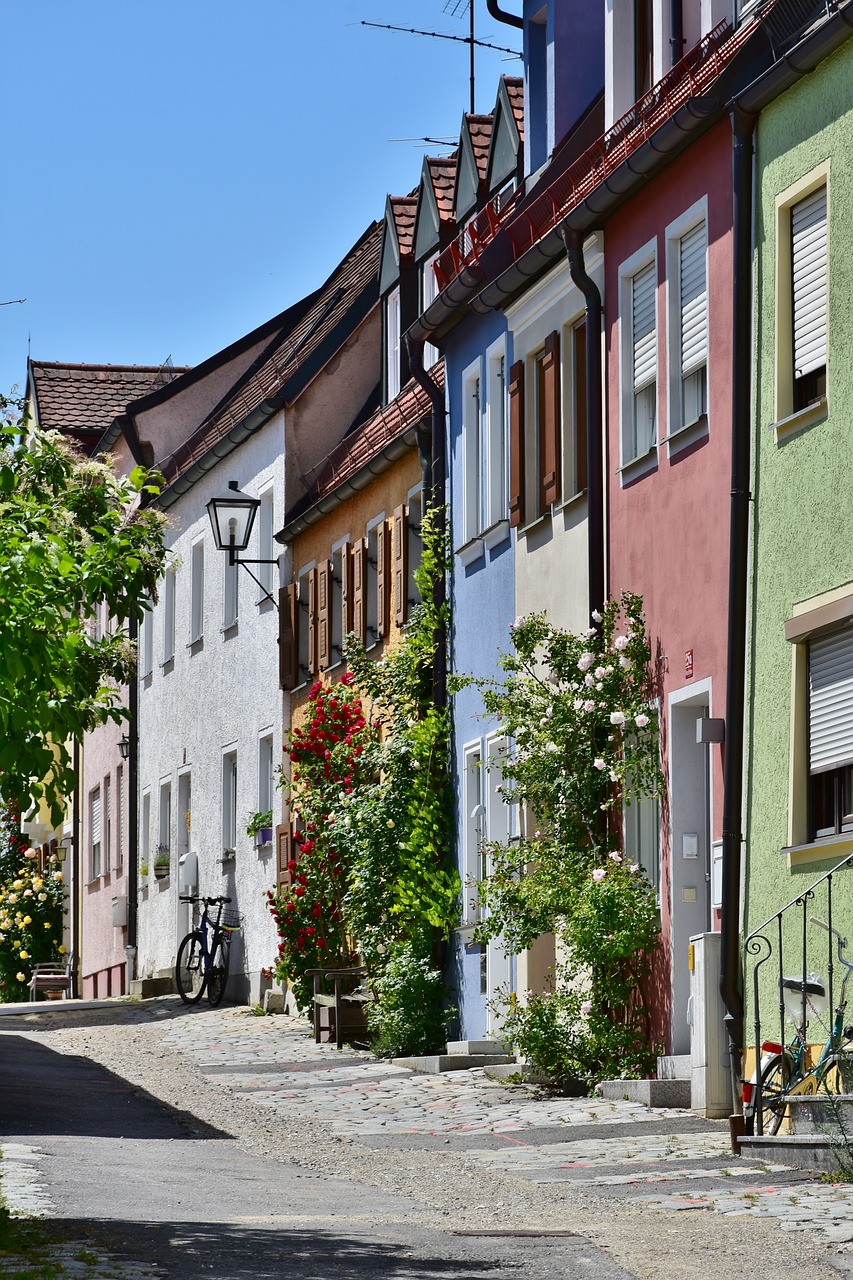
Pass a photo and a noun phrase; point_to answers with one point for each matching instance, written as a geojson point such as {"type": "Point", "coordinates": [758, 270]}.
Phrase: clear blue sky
{"type": "Point", "coordinates": [178, 171]}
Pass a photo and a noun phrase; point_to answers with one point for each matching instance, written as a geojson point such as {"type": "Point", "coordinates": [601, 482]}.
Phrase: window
{"type": "Point", "coordinates": [146, 829]}
{"type": "Point", "coordinates": [643, 47]}
{"type": "Point", "coordinates": [687, 320]}
{"type": "Point", "coordinates": [304, 630]}
{"type": "Point", "coordinates": [809, 294]}
{"type": "Point", "coordinates": [169, 616]}
{"type": "Point", "coordinates": [372, 611]}
{"type": "Point", "coordinates": [147, 647]}
{"type": "Point", "coordinates": [392, 344]}
{"type": "Point", "coordinates": [164, 824]}
{"type": "Point", "coordinates": [337, 627]}
{"type": "Point", "coordinates": [119, 818]}
{"type": "Point", "coordinates": [574, 410]}
{"type": "Point", "coordinates": [95, 834]}
{"type": "Point", "coordinates": [266, 780]}
{"type": "Point", "coordinates": [266, 545]}
{"type": "Point", "coordinates": [473, 814]}
{"type": "Point", "coordinates": [429, 293]}
{"type": "Point", "coordinates": [107, 823]}
{"type": "Point", "coordinates": [197, 599]}
{"type": "Point", "coordinates": [415, 544]}
{"type": "Point", "coordinates": [542, 444]}
{"type": "Point", "coordinates": [185, 805]}
{"type": "Point", "coordinates": [830, 703]}
{"type": "Point", "coordinates": [638, 352]}
{"type": "Point", "coordinates": [229, 802]}
{"type": "Point", "coordinates": [230, 592]}
{"type": "Point", "coordinates": [472, 470]}
{"type": "Point", "coordinates": [495, 470]}
{"type": "Point", "coordinates": [642, 836]}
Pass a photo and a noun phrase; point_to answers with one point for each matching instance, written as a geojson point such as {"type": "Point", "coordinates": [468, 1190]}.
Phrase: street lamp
{"type": "Point", "coordinates": [232, 519]}
{"type": "Point", "coordinates": [124, 747]}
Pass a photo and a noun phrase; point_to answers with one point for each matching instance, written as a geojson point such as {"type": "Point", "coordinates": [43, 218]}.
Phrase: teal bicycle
{"type": "Point", "coordinates": [204, 955]}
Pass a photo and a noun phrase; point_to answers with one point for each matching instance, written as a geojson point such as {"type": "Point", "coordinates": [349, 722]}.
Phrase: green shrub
{"type": "Point", "coordinates": [412, 1015]}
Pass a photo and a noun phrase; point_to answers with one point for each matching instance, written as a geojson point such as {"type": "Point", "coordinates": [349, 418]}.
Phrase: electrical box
{"type": "Point", "coordinates": [120, 913]}
{"type": "Point", "coordinates": [188, 872]}
{"type": "Point", "coordinates": [711, 1090]}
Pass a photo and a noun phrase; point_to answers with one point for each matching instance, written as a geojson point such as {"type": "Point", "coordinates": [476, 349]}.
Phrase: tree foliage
{"type": "Point", "coordinates": [74, 539]}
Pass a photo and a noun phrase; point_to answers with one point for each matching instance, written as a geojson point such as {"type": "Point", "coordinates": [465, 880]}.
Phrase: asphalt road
{"type": "Point", "coordinates": [155, 1186]}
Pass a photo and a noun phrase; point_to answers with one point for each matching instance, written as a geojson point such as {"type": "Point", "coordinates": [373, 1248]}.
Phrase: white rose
{"type": "Point", "coordinates": [617, 717]}
{"type": "Point", "coordinates": [641, 721]}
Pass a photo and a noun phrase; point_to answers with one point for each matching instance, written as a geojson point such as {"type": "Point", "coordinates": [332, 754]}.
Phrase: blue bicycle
{"type": "Point", "coordinates": [204, 954]}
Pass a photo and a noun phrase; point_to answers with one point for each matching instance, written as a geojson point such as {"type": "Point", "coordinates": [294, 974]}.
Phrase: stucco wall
{"type": "Point", "coordinates": [803, 498]}
{"type": "Point", "coordinates": [102, 958]}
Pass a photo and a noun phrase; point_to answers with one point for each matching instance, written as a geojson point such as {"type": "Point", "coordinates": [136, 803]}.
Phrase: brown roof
{"type": "Point", "coordinates": [480, 132]}
{"type": "Point", "coordinates": [403, 209]}
{"type": "Point", "coordinates": [82, 400]}
{"type": "Point", "coordinates": [515, 94]}
{"type": "Point", "coordinates": [442, 172]}
{"type": "Point", "coordinates": [360, 446]}
{"type": "Point", "coordinates": [286, 369]}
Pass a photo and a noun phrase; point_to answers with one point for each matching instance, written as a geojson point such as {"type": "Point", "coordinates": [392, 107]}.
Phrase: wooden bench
{"type": "Point", "coordinates": [339, 1013]}
{"type": "Point", "coordinates": [49, 977]}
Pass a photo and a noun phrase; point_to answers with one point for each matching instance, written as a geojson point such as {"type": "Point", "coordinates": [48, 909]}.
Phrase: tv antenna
{"type": "Point", "coordinates": [13, 302]}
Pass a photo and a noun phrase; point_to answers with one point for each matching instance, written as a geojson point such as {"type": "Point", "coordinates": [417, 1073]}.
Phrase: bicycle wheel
{"type": "Point", "coordinates": [217, 970]}
{"type": "Point", "coordinates": [190, 975]}
{"type": "Point", "coordinates": [775, 1082]}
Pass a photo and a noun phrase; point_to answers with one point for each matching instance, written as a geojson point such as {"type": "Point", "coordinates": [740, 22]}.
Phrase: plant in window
{"type": "Point", "coordinates": [260, 822]}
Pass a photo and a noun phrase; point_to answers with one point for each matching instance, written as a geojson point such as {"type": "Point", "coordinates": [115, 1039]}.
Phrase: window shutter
{"type": "Point", "coordinates": [643, 326]}
{"type": "Point", "coordinates": [383, 581]}
{"type": "Point", "coordinates": [288, 637]}
{"type": "Point", "coordinates": [324, 601]}
{"type": "Point", "coordinates": [516, 444]}
{"type": "Point", "coordinates": [312, 621]}
{"type": "Point", "coordinates": [831, 701]}
{"type": "Point", "coordinates": [550, 419]}
{"type": "Point", "coordinates": [284, 840]}
{"type": "Point", "coordinates": [359, 590]}
{"type": "Point", "coordinates": [346, 590]}
{"type": "Point", "coordinates": [694, 299]}
{"type": "Point", "coordinates": [96, 817]}
{"type": "Point", "coordinates": [808, 252]}
{"type": "Point", "coordinates": [401, 564]}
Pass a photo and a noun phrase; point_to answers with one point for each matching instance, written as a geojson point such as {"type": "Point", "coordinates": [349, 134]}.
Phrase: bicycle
{"type": "Point", "coordinates": [787, 1071]}
{"type": "Point", "coordinates": [205, 953]}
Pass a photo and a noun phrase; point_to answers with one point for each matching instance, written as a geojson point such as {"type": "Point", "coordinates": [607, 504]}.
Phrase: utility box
{"type": "Point", "coordinates": [188, 872]}
{"type": "Point", "coordinates": [120, 913]}
{"type": "Point", "coordinates": [711, 1089]}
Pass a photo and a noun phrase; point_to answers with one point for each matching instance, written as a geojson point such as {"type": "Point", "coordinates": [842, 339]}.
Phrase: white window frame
{"type": "Point", "coordinates": [496, 436]}
{"type": "Point", "coordinates": [147, 638]}
{"type": "Point", "coordinates": [675, 233]}
{"type": "Point", "coordinates": [302, 605]}
{"type": "Point", "coordinates": [107, 822]}
{"type": "Point", "coordinates": [392, 343]}
{"type": "Point", "coordinates": [630, 460]}
{"type": "Point", "coordinates": [266, 543]}
{"type": "Point", "coordinates": [429, 293]}
{"type": "Point", "coordinates": [197, 591]}
{"type": "Point", "coordinates": [230, 593]}
{"type": "Point", "coordinates": [371, 580]}
{"type": "Point", "coordinates": [336, 603]}
{"type": "Point", "coordinates": [473, 829]}
{"type": "Point", "coordinates": [146, 828]}
{"type": "Point", "coordinates": [119, 862]}
{"type": "Point", "coordinates": [185, 804]}
{"type": "Point", "coordinates": [164, 814]}
{"type": "Point", "coordinates": [96, 821]}
{"type": "Point", "coordinates": [414, 519]}
{"type": "Point", "coordinates": [229, 799]}
{"type": "Point", "coordinates": [169, 616]}
{"type": "Point", "coordinates": [266, 770]}
{"type": "Point", "coordinates": [472, 443]}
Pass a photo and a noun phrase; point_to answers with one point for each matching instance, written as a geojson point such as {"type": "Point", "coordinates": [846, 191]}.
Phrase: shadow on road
{"type": "Point", "coordinates": [47, 1093]}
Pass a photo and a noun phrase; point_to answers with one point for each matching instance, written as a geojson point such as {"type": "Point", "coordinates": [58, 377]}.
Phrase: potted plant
{"type": "Point", "coordinates": [143, 869]}
{"type": "Point", "coordinates": [162, 862]}
{"type": "Point", "coordinates": [260, 826]}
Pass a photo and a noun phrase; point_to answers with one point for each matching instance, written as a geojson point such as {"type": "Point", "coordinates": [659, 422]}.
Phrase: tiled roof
{"type": "Point", "coordinates": [278, 373]}
{"type": "Point", "coordinates": [515, 94]}
{"type": "Point", "coordinates": [480, 132]}
{"type": "Point", "coordinates": [408, 408]}
{"type": "Point", "coordinates": [82, 400]}
{"type": "Point", "coordinates": [403, 210]}
{"type": "Point", "coordinates": [442, 172]}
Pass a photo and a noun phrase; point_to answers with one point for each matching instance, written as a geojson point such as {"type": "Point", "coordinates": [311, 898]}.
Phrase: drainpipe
{"type": "Point", "coordinates": [573, 241]}
{"type": "Point", "coordinates": [76, 894]}
{"type": "Point", "coordinates": [731, 977]}
{"type": "Point", "coordinates": [501, 15]}
{"type": "Point", "coordinates": [676, 31]}
{"type": "Point", "coordinates": [131, 945]}
{"type": "Point", "coordinates": [432, 450]}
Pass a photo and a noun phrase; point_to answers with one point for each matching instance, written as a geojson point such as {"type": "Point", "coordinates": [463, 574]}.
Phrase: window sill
{"type": "Point", "coordinates": [496, 534]}
{"type": "Point", "coordinates": [196, 644]}
{"type": "Point", "coordinates": [823, 850]}
{"type": "Point", "coordinates": [536, 523]}
{"type": "Point", "coordinates": [808, 417]}
{"type": "Point", "coordinates": [635, 468]}
{"type": "Point", "coordinates": [573, 500]}
{"type": "Point", "coordinates": [229, 628]}
{"type": "Point", "coordinates": [684, 436]}
{"type": "Point", "coordinates": [167, 665]}
{"type": "Point", "coordinates": [470, 551]}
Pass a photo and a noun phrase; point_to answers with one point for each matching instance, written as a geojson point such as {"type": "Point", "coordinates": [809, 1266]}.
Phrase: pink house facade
{"type": "Point", "coordinates": [668, 325]}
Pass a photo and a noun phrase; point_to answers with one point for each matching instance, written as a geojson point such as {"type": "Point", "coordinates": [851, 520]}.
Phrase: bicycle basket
{"type": "Point", "coordinates": [231, 921]}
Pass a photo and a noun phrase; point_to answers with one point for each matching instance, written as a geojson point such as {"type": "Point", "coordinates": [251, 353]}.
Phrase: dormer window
{"type": "Point", "coordinates": [392, 344]}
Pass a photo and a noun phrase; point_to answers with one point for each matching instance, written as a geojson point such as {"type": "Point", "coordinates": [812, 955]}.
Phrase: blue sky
{"type": "Point", "coordinates": [178, 171]}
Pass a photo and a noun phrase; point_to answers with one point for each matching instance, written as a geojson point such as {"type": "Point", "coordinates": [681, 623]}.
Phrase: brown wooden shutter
{"type": "Point", "coordinates": [401, 565]}
{"type": "Point", "coordinates": [359, 590]}
{"type": "Point", "coordinates": [324, 615]}
{"type": "Point", "coordinates": [346, 590]}
{"type": "Point", "coordinates": [383, 580]}
{"type": "Point", "coordinates": [579, 334]}
{"type": "Point", "coordinates": [312, 621]}
{"type": "Point", "coordinates": [550, 419]}
{"type": "Point", "coordinates": [516, 444]}
{"type": "Point", "coordinates": [284, 847]}
{"type": "Point", "coordinates": [288, 637]}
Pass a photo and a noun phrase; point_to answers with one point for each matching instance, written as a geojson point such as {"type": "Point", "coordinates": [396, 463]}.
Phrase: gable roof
{"type": "Point", "coordinates": [474, 139]}
{"type": "Point", "coordinates": [285, 367]}
{"type": "Point", "coordinates": [434, 212]}
{"type": "Point", "coordinates": [507, 133]}
{"type": "Point", "coordinates": [442, 175]}
{"type": "Point", "coordinates": [83, 400]}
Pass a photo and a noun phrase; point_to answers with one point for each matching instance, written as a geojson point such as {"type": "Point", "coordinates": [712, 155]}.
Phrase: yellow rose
{"type": "Point", "coordinates": [25, 955]}
{"type": "Point", "coordinates": [28, 919]}
{"type": "Point", "coordinates": [42, 897]}
{"type": "Point", "coordinates": [47, 924]}
{"type": "Point", "coordinates": [15, 942]}
{"type": "Point", "coordinates": [62, 950]}
{"type": "Point", "coordinates": [22, 977]}
{"type": "Point", "coordinates": [17, 884]}
{"type": "Point", "coordinates": [57, 875]}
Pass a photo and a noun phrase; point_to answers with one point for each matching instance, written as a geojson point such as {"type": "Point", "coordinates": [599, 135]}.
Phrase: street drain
{"type": "Point", "coordinates": [515, 1234]}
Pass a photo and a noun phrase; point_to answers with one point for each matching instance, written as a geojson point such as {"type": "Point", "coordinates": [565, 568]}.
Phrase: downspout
{"type": "Point", "coordinates": [432, 451]}
{"type": "Point", "coordinates": [76, 895]}
{"type": "Point", "coordinates": [676, 31]}
{"type": "Point", "coordinates": [731, 978]}
{"type": "Point", "coordinates": [131, 945]}
{"type": "Point", "coordinates": [573, 241]}
{"type": "Point", "coordinates": [501, 15]}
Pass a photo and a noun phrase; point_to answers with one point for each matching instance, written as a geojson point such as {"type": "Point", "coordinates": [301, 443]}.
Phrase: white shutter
{"type": "Point", "coordinates": [96, 817]}
{"type": "Point", "coordinates": [694, 308]}
{"type": "Point", "coordinates": [808, 251]}
{"type": "Point", "coordinates": [831, 701]}
{"type": "Point", "coordinates": [643, 326]}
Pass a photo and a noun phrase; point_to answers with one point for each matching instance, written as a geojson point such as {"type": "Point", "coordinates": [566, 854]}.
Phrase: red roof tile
{"type": "Point", "coordinates": [293, 352]}
{"type": "Point", "coordinates": [515, 94]}
{"type": "Point", "coordinates": [480, 132]}
{"type": "Point", "coordinates": [82, 400]}
{"type": "Point", "coordinates": [403, 209]}
{"type": "Point", "coordinates": [442, 172]}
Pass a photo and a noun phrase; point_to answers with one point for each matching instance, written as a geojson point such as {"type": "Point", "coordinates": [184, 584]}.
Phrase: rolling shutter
{"type": "Point", "coordinates": [694, 299]}
{"type": "Point", "coordinates": [96, 817]}
{"type": "Point", "coordinates": [549, 419]}
{"type": "Point", "coordinates": [831, 701]}
{"type": "Point", "coordinates": [312, 621]}
{"type": "Point", "coordinates": [516, 444]}
{"type": "Point", "coordinates": [383, 581]}
{"type": "Point", "coordinates": [401, 565]}
{"type": "Point", "coordinates": [808, 254]}
{"type": "Point", "coordinates": [324, 615]}
{"type": "Point", "coordinates": [288, 637]}
{"type": "Point", "coordinates": [359, 590]}
{"type": "Point", "coordinates": [643, 326]}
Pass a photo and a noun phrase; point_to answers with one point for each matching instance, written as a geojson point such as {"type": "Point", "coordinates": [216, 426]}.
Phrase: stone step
{"type": "Point", "coordinates": [146, 988]}
{"type": "Point", "coordinates": [467, 1047]}
{"type": "Point", "coordinates": [675, 1067]}
{"type": "Point", "coordinates": [800, 1151]}
{"type": "Point", "coordinates": [649, 1093]}
{"type": "Point", "coordinates": [826, 1115]}
{"type": "Point", "coordinates": [436, 1063]}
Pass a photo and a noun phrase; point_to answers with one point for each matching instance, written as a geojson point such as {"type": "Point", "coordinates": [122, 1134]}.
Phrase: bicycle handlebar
{"type": "Point", "coordinates": [208, 902]}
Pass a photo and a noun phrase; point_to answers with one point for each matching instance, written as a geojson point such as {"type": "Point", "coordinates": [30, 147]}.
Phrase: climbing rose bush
{"type": "Point", "coordinates": [31, 910]}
